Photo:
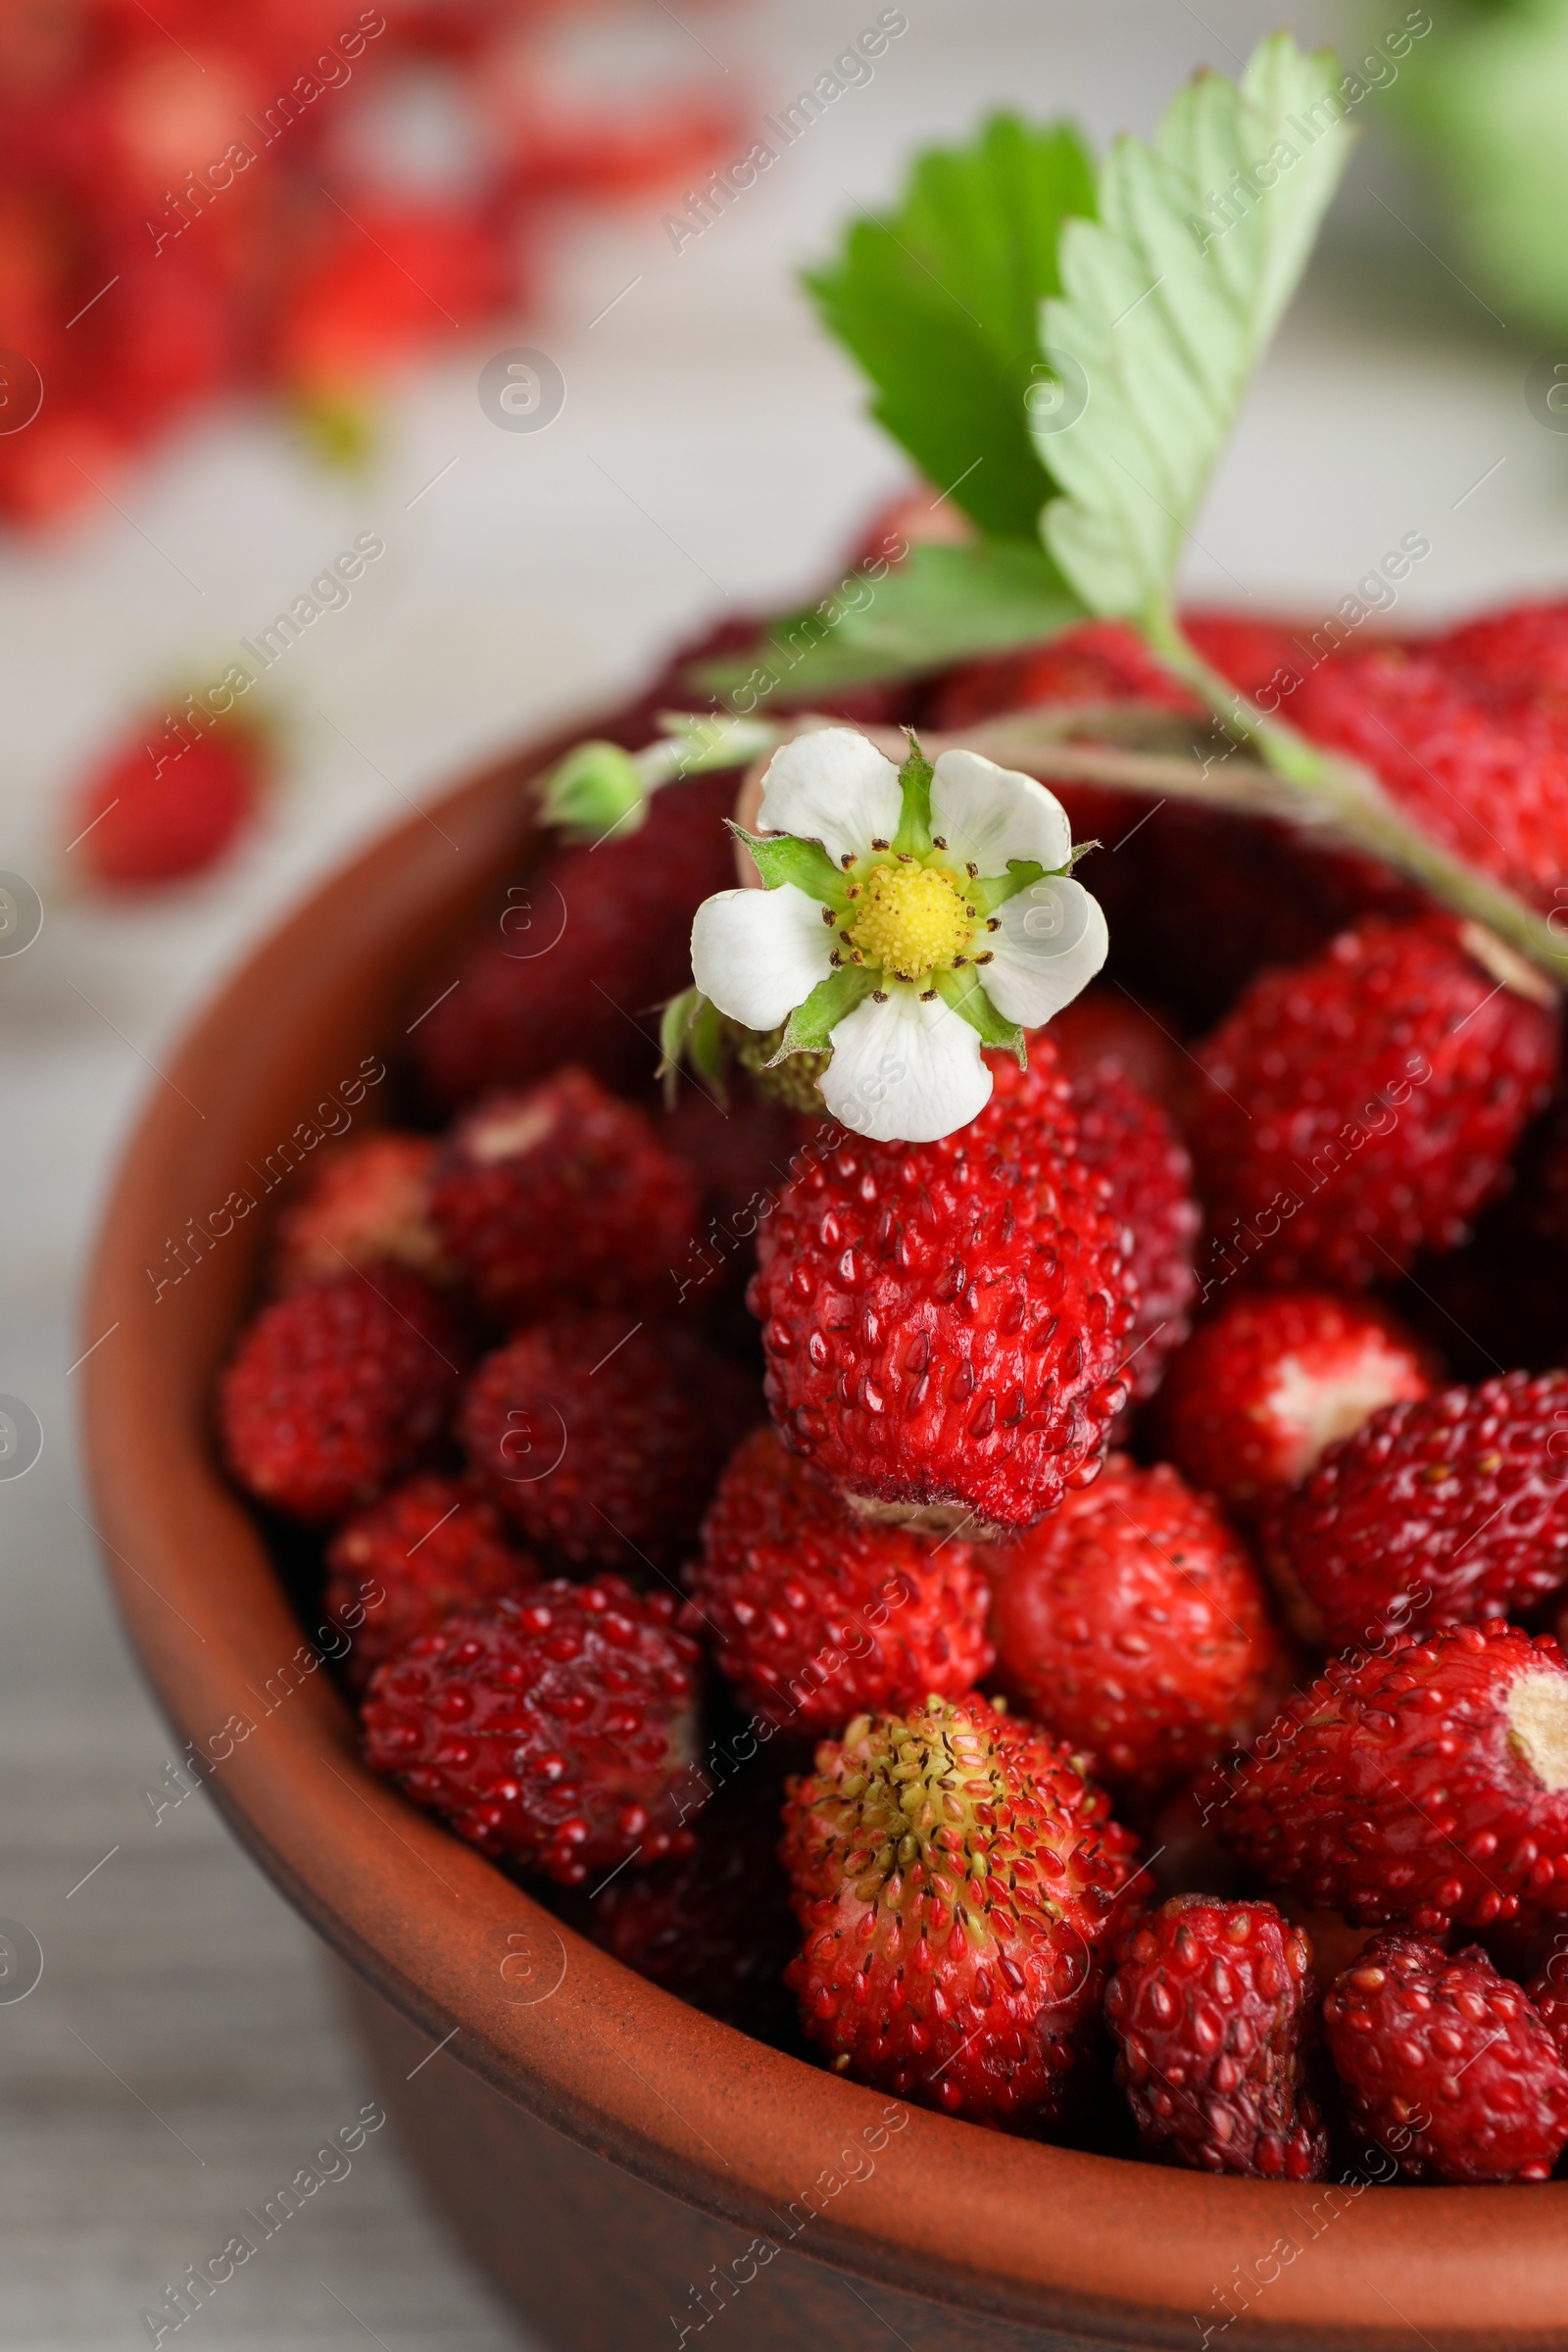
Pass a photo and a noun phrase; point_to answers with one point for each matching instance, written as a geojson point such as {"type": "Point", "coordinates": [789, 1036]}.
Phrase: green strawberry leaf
{"type": "Point", "coordinates": [1170, 299]}
{"type": "Point", "coordinates": [943, 604]}
{"type": "Point", "coordinates": [939, 300]}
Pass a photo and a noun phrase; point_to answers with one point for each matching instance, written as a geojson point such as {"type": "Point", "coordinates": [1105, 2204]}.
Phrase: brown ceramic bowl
{"type": "Point", "coordinates": [629, 2171]}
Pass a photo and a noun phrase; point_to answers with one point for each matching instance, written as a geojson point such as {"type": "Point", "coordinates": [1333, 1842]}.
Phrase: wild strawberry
{"type": "Point", "coordinates": [943, 1323]}
{"type": "Point", "coordinates": [1130, 1140]}
{"type": "Point", "coordinates": [959, 1882]}
{"type": "Point", "coordinates": [1549, 1991]}
{"type": "Point", "coordinates": [402, 1566]}
{"type": "Point", "coordinates": [562, 1195]}
{"type": "Point", "coordinates": [1274, 1378]}
{"type": "Point", "coordinates": [337, 1390]}
{"type": "Point", "coordinates": [556, 1729]}
{"type": "Point", "coordinates": [715, 1928]}
{"type": "Point", "coordinates": [1520, 653]}
{"type": "Point", "coordinates": [1484, 772]}
{"type": "Point", "coordinates": [1446, 2065]}
{"type": "Point", "coordinates": [1442, 1510]}
{"type": "Point", "coordinates": [584, 951]}
{"type": "Point", "coordinates": [367, 1202]}
{"type": "Point", "coordinates": [817, 1613]}
{"type": "Point", "coordinates": [1209, 2003]}
{"type": "Point", "coordinates": [151, 815]}
{"type": "Point", "coordinates": [1364, 1106]}
{"type": "Point", "coordinates": [1131, 1624]}
{"type": "Point", "coordinates": [1424, 1783]}
{"type": "Point", "coordinates": [601, 1438]}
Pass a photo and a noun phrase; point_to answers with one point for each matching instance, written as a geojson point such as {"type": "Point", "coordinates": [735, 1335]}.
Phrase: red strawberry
{"type": "Point", "coordinates": [1364, 1106]}
{"type": "Point", "coordinates": [1261, 1388]}
{"type": "Point", "coordinates": [157, 813]}
{"type": "Point", "coordinates": [582, 954]}
{"type": "Point", "coordinates": [336, 1390]}
{"type": "Point", "coordinates": [959, 1882]}
{"type": "Point", "coordinates": [816, 1613]}
{"type": "Point", "coordinates": [369, 1201]}
{"type": "Point", "coordinates": [1549, 1989]}
{"type": "Point", "coordinates": [1424, 1783]}
{"type": "Point", "coordinates": [1520, 651]}
{"type": "Point", "coordinates": [556, 1729]}
{"type": "Point", "coordinates": [1126, 1137]}
{"type": "Point", "coordinates": [1442, 1510]}
{"type": "Point", "coordinates": [1209, 2003]}
{"type": "Point", "coordinates": [600, 1437]}
{"type": "Point", "coordinates": [1446, 2065]}
{"type": "Point", "coordinates": [943, 1323]}
{"type": "Point", "coordinates": [1483, 774]}
{"type": "Point", "coordinates": [715, 1928]}
{"type": "Point", "coordinates": [1131, 1624]}
{"type": "Point", "coordinates": [562, 1195]}
{"type": "Point", "coordinates": [401, 1567]}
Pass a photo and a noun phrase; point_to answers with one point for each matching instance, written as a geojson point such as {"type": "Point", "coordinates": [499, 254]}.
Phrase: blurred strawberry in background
{"type": "Point", "coordinates": [295, 197]}
{"type": "Point", "coordinates": [161, 808]}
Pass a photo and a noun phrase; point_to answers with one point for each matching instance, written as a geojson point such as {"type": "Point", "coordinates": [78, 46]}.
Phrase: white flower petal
{"type": "Point", "coordinates": [1052, 943]}
{"type": "Point", "coordinates": [987, 814]}
{"type": "Point", "coordinates": [905, 1071]}
{"type": "Point", "coordinates": [834, 787]}
{"type": "Point", "coordinates": [757, 954]}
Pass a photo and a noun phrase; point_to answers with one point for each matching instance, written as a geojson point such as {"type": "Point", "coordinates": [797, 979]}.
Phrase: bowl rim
{"type": "Point", "coordinates": [888, 2192]}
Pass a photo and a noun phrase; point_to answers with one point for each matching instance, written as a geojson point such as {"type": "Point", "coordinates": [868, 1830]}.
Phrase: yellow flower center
{"type": "Point", "coordinates": [912, 918]}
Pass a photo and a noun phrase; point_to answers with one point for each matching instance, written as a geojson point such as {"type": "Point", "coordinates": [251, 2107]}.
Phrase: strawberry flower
{"type": "Point", "coordinates": [911, 915]}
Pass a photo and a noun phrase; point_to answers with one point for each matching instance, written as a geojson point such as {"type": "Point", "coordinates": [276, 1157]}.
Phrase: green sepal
{"type": "Point", "coordinates": [782, 859]}
{"type": "Point", "coordinates": [995, 890]}
{"type": "Point", "coordinates": [596, 788]}
{"type": "Point", "coordinates": [808, 1028]}
{"type": "Point", "coordinates": [915, 821]}
{"type": "Point", "coordinates": [692, 1031]}
{"type": "Point", "coordinates": [964, 993]}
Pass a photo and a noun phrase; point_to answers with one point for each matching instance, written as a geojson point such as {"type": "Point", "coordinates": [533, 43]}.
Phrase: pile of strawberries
{"type": "Point", "coordinates": [1099, 1679]}
{"type": "Point", "coordinates": [298, 198]}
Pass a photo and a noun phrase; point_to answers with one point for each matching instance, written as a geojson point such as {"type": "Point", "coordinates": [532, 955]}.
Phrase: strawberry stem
{"type": "Point", "coordinates": [1349, 797]}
